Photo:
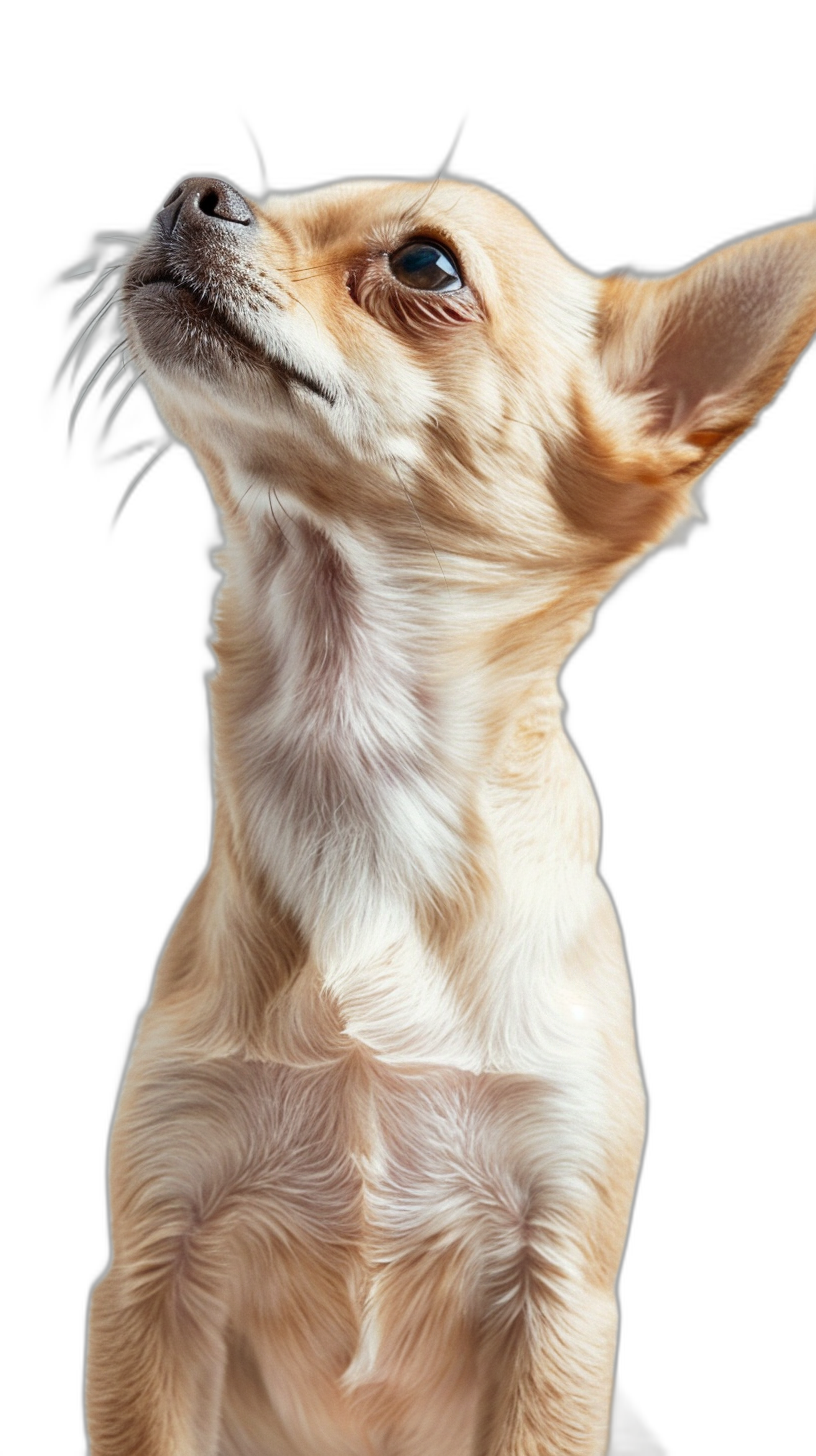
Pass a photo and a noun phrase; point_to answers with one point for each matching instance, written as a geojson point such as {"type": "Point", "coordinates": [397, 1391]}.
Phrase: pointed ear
{"type": "Point", "coordinates": [706, 350]}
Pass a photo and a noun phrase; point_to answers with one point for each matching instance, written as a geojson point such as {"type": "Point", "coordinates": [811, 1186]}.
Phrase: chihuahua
{"type": "Point", "coordinates": [375, 1153]}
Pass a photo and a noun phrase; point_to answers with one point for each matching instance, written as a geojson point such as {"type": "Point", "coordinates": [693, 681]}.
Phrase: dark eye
{"type": "Point", "coordinates": [426, 266]}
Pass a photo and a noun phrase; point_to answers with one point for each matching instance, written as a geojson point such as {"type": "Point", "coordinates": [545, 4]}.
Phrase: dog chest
{"type": "Point", "coordinates": [370, 1171]}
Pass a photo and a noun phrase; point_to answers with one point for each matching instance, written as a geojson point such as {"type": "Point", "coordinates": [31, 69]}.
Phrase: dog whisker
{"type": "Point", "coordinates": [90, 382]}
{"type": "Point", "coordinates": [242, 497]}
{"type": "Point", "coordinates": [130, 450]}
{"type": "Point", "coordinates": [274, 515]}
{"type": "Point", "coordinates": [80, 343]}
{"type": "Point", "coordinates": [283, 507]}
{"type": "Point", "coordinates": [117, 237]}
{"type": "Point", "coordinates": [91, 292]}
{"type": "Point", "coordinates": [307, 311]}
{"type": "Point", "coordinates": [123, 397]}
{"type": "Point", "coordinates": [89, 267]}
{"type": "Point", "coordinates": [448, 157]}
{"type": "Point", "coordinates": [117, 374]}
{"type": "Point", "coordinates": [79, 270]}
{"type": "Point", "coordinates": [139, 477]}
{"type": "Point", "coordinates": [302, 275]}
{"type": "Point", "coordinates": [259, 154]}
{"type": "Point", "coordinates": [412, 504]}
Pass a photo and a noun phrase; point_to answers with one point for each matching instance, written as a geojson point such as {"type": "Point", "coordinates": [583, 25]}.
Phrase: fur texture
{"type": "Point", "coordinates": [374, 1158]}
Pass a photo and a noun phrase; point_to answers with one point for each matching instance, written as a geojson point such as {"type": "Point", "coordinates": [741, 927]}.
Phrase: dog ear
{"type": "Point", "coordinates": [708, 348]}
{"type": "Point", "coordinates": [686, 364]}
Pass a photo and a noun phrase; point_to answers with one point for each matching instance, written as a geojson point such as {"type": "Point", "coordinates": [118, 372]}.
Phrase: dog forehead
{"type": "Point", "coordinates": [358, 214]}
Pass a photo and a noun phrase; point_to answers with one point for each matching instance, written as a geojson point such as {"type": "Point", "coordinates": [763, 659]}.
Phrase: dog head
{"type": "Point", "coordinates": [418, 361]}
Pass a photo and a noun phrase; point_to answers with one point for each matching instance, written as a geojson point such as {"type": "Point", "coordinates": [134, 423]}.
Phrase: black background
{"type": "Point", "coordinates": [687, 703]}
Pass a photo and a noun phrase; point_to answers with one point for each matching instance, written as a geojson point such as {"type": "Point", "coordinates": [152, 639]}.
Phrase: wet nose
{"type": "Point", "coordinates": [206, 201]}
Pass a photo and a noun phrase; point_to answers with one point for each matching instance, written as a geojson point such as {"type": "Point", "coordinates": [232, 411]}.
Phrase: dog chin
{"type": "Point", "coordinates": [181, 335]}
{"type": "Point", "coordinates": [178, 334]}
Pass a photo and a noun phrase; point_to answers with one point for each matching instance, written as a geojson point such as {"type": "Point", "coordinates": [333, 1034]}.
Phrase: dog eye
{"type": "Point", "coordinates": [426, 266]}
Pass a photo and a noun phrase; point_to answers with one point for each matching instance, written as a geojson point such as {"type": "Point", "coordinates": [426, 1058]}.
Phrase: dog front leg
{"type": "Point", "coordinates": [156, 1359]}
{"type": "Point", "coordinates": [552, 1370]}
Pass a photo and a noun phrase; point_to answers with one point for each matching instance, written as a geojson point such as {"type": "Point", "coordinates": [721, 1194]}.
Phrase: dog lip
{"type": "Point", "coordinates": [166, 280]}
{"type": "Point", "coordinates": [286, 371]}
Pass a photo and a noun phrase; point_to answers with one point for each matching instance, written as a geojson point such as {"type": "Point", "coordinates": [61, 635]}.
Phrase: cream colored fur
{"type": "Point", "coordinates": [373, 1163]}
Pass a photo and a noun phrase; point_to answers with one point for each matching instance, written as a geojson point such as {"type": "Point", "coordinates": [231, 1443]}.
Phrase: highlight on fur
{"type": "Point", "coordinates": [373, 1163]}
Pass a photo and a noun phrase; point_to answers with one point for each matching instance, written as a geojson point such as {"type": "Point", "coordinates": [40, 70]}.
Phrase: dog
{"type": "Point", "coordinates": [375, 1153]}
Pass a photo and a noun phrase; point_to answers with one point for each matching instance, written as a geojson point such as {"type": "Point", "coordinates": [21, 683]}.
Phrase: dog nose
{"type": "Point", "coordinates": [207, 201]}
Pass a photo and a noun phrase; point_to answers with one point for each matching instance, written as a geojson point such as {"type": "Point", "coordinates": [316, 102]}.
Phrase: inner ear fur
{"type": "Point", "coordinates": [710, 347]}
{"type": "Point", "coordinates": [685, 365]}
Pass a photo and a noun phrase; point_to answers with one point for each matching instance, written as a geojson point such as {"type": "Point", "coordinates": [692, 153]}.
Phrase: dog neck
{"type": "Point", "coordinates": [374, 721]}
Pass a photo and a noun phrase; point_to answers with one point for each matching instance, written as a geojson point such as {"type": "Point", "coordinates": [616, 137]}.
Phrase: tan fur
{"type": "Point", "coordinates": [373, 1163]}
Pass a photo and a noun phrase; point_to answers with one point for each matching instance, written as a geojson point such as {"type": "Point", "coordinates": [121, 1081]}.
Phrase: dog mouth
{"type": "Point", "coordinates": [181, 324]}
{"type": "Point", "coordinates": [183, 292]}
